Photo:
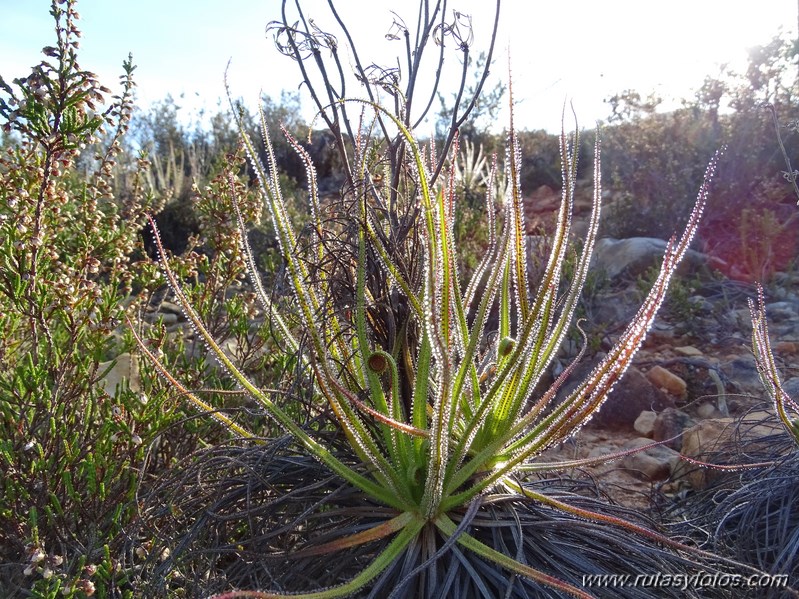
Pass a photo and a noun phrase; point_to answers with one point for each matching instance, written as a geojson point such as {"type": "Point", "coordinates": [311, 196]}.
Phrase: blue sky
{"type": "Point", "coordinates": [584, 50]}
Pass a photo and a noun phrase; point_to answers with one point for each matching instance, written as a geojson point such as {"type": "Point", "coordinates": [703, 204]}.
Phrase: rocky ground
{"type": "Point", "coordinates": [692, 386]}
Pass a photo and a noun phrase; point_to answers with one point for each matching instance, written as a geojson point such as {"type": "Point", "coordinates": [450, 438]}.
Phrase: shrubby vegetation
{"type": "Point", "coordinates": [69, 452]}
{"type": "Point", "coordinates": [73, 207]}
{"type": "Point", "coordinates": [655, 160]}
{"type": "Point", "coordinates": [378, 312]}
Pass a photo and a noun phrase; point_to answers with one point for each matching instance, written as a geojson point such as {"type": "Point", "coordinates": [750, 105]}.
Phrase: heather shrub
{"type": "Point", "coordinates": [69, 451]}
{"type": "Point", "coordinates": [73, 440]}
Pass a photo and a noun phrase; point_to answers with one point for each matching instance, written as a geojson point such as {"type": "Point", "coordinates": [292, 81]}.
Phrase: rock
{"type": "Point", "coordinates": [230, 346]}
{"type": "Point", "coordinates": [700, 305]}
{"type": "Point", "coordinates": [654, 463]}
{"type": "Point", "coordinates": [783, 280]}
{"type": "Point", "coordinates": [718, 438]}
{"type": "Point", "coordinates": [740, 319]}
{"type": "Point", "coordinates": [570, 348]}
{"type": "Point", "coordinates": [167, 318]}
{"type": "Point", "coordinates": [688, 350]}
{"type": "Point", "coordinates": [323, 156]}
{"type": "Point", "coordinates": [786, 347]}
{"type": "Point", "coordinates": [634, 256]}
{"type": "Point", "coordinates": [669, 426]}
{"type": "Point", "coordinates": [125, 368]}
{"type": "Point", "coordinates": [707, 410]}
{"type": "Point", "coordinates": [668, 381]}
{"type": "Point", "coordinates": [698, 441]}
{"type": "Point", "coordinates": [779, 311]}
{"type": "Point", "coordinates": [615, 307]}
{"type": "Point", "coordinates": [632, 395]}
{"type": "Point", "coordinates": [742, 372]}
{"type": "Point", "coordinates": [645, 423]}
{"type": "Point", "coordinates": [597, 452]}
{"type": "Point", "coordinates": [540, 208]}
{"type": "Point", "coordinates": [661, 335]}
{"type": "Point", "coordinates": [170, 308]}
{"type": "Point", "coordinates": [791, 387]}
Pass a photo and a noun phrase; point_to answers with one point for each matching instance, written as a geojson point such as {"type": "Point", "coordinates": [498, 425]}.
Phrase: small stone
{"type": "Point", "coordinates": [688, 350]}
{"type": "Point", "coordinates": [668, 381]}
{"type": "Point", "coordinates": [177, 327]}
{"type": "Point", "coordinates": [654, 463]}
{"type": "Point", "coordinates": [742, 372]}
{"type": "Point", "coordinates": [791, 387]}
{"type": "Point", "coordinates": [700, 304]}
{"type": "Point", "coordinates": [166, 318]}
{"type": "Point", "coordinates": [658, 337]}
{"type": "Point", "coordinates": [786, 347]}
{"type": "Point", "coordinates": [126, 368]}
{"type": "Point", "coordinates": [170, 308]}
{"type": "Point", "coordinates": [597, 452]}
{"type": "Point", "coordinates": [645, 423]}
{"type": "Point", "coordinates": [707, 410]}
{"type": "Point", "coordinates": [779, 311]}
{"type": "Point", "coordinates": [669, 427]}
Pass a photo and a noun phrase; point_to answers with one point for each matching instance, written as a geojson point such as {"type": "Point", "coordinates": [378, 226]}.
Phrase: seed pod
{"type": "Point", "coordinates": [377, 363]}
{"type": "Point", "coordinates": [505, 347]}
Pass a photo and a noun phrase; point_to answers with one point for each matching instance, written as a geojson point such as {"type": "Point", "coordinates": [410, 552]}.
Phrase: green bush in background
{"type": "Point", "coordinates": [74, 433]}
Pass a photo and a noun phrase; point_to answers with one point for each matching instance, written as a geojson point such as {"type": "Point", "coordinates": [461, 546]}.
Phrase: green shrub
{"type": "Point", "coordinates": [68, 450]}
{"type": "Point", "coordinates": [652, 162]}
{"type": "Point", "coordinates": [72, 207]}
{"type": "Point", "coordinates": [679, 305]}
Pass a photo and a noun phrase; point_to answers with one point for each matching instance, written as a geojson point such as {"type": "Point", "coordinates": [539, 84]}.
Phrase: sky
{"type": "Point", "coordinates": [580, 51]}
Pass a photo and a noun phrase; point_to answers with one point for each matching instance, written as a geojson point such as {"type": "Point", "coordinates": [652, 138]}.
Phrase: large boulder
{"type": "Point", "coordinates": [634, 256]}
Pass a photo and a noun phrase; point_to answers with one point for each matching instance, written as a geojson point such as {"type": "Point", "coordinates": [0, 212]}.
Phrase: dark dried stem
{"type": "Point", "coordinates": [458, 121]}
